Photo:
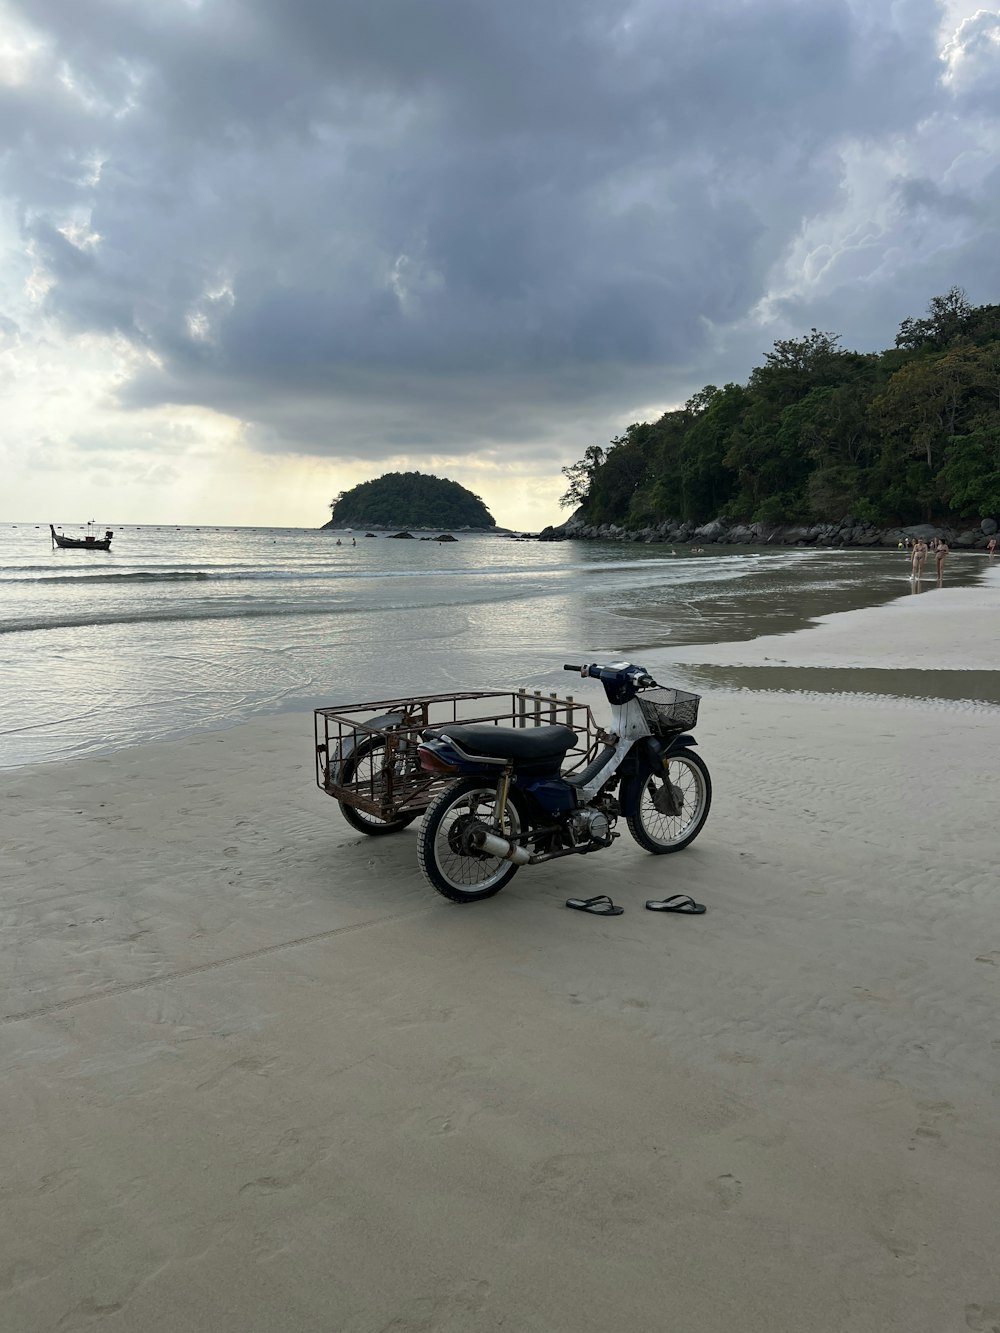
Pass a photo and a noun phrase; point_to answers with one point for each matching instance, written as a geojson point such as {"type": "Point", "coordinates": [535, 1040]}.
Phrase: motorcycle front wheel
{"type": "Point", "coordinates": [462, 876]}
{"type": "Point", "coordinates": [659, 830]}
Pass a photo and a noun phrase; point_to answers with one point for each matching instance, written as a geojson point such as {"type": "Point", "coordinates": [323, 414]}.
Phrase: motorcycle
{"type": "Point", "coordinates": [511, 805]}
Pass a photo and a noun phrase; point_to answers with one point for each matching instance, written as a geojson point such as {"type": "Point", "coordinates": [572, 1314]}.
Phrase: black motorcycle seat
{"type": "Point", "coordinates": [507, 742]}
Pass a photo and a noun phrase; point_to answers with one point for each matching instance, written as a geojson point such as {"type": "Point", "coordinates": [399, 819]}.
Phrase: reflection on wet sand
{"type": "Point", "coordinates": [973, 686]}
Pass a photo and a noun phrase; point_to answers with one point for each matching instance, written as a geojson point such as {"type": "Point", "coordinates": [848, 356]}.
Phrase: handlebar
{"type": "Point", "coordinates": [641, 677]}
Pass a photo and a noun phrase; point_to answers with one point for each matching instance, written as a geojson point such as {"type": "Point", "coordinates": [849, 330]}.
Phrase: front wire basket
{"type": "Point", "coordinates": [668, 711]}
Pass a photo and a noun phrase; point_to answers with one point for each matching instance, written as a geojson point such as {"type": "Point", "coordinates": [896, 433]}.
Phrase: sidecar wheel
{"type": "Point", "coordinates": [659, 831]}
{"type": "Point", "coordinates": [366, 767]}
{"type": "Point", "coordinates": [462, 876]}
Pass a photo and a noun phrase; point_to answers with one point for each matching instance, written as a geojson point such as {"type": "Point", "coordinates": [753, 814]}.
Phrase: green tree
{"type": "Point", "coordinates": [933, 398]}
{"type": "Point", "coordinates": [797, 365]}
{"type": "Point", "coordinates": [580, 475]}
{"type": "Point", "coordinates": [947, 318]}
{"type": "Point", "coordinates": [819, 432]}
{"type": "Point", "coordinates": [706, 480]}
{"type": "Point", "coordinates": [970, 478]}
{"type": "Point", "coordinates": [623, 471]}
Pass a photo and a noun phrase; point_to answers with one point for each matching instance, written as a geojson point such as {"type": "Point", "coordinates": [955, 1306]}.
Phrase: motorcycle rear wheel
{"type": "Point", "coordinates": [460, 876]}
{"type": "Point", "coordinates": [659, 832]}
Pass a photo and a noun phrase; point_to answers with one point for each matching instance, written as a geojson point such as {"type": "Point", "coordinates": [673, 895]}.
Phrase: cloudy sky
{"type": "Point", "coordinates": [255, 251]}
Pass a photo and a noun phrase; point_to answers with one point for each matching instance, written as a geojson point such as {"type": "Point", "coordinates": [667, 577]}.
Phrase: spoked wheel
{"type": "Point", "coordinates": [673, 805]}
{"type": "Point", "coordinates": [451, 867]}
{"type": "Point", "coordinates": [367, 767]}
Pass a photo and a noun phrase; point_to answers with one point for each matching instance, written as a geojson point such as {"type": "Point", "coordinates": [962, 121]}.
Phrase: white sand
{"type": "Point", "coordinates": [256, 1075]}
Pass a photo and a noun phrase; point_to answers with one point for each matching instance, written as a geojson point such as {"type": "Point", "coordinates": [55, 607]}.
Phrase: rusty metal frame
{"type": "Point", "coordinates": [398, 786]}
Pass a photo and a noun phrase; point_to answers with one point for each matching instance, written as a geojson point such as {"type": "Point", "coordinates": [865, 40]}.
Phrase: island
{"type": "Point", "coordinates": [400, 500]}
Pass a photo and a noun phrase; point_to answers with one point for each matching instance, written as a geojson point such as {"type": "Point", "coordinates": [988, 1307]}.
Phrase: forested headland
{"type": "Point", "coordinates": [818, 433]}
{"type": "Point", "coordinates": [409, 500]}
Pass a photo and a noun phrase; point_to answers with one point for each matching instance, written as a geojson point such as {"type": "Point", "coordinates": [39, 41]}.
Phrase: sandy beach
{"type": "Point", "coordinates": [257, 1075]}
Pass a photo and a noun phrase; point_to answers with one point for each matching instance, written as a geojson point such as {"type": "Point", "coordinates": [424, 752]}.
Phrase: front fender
{"type": "Point", "coordinates": [647, 756]}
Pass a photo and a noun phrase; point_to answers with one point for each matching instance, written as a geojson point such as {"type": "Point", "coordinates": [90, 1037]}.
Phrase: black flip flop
{"type": "Point", "coordinates": [600, 906]}
{"type": "Point", "coordinates": [679, 902]}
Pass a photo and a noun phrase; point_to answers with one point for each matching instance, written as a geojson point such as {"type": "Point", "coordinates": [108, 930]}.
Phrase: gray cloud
{"type": "Point", "coordinates": [372, 230]}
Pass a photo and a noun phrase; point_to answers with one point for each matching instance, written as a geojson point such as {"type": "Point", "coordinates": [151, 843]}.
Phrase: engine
{"type": "Point", "coordinates": [593, 822]}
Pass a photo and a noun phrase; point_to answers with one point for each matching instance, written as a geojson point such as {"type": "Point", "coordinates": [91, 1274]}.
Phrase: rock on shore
{"type": "Point", "coordinates": [848, 532]}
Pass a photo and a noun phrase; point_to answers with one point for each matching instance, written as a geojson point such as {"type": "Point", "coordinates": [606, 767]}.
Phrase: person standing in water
{"type": "Point", "coordinates": [918, 558]}
{"type": "Point", "coordinates": [991, 546]}
{"type": "Point", "coordinates": [939, 557]}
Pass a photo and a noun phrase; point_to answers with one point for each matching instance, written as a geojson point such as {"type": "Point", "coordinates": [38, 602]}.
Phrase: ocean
{"type": "Point", "coordinates": [179, 629]}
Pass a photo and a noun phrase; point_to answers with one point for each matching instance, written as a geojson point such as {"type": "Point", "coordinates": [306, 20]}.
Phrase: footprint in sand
{"type": "Point", "coordinates": [983, 1318]}
{"type": "Point", "coordinates": [266, 1184]}
{"type": "Point", "coordinates": [439, 1124]}
{"type": "Point", "coordinates": [728, 1189]}
{"type": "Point", "coordinates": [450, 1307]}
{"type": "Point", "coordinates": [89, 1310]}
{"type": "Point", "coordinates": [932, 1114]}
{"type": "Point", "coordinates": [600, 1187]}
{"type": "Point", "coordinates": [897, 1247]}
{"type": "Point", "coordinates": [56, 1179]}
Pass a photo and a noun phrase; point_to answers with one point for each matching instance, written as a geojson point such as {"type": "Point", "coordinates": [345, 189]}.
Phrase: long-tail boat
{"type": "Point", "coordinates": [88, 543]}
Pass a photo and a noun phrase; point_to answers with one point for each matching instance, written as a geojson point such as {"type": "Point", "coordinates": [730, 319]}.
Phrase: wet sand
{"type": "Point", "coordinates": [257, 1075]}
{"type": "Point", "coordinates": [926, 629]}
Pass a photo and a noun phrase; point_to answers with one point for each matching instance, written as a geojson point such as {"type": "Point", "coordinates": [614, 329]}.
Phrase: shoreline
{"type": "Point", "coordinates": [934, 628]}
{"type": "Point", "coordinates": [820, 536]}
{"type": "Point", "coordinates": [258, 1075]}
{"type": "Point", "coordinates": [26, 746]}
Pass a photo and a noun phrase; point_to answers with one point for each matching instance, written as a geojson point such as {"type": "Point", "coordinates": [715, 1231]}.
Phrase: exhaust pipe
{"type": "Point", "coordinates": [484, 841]}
